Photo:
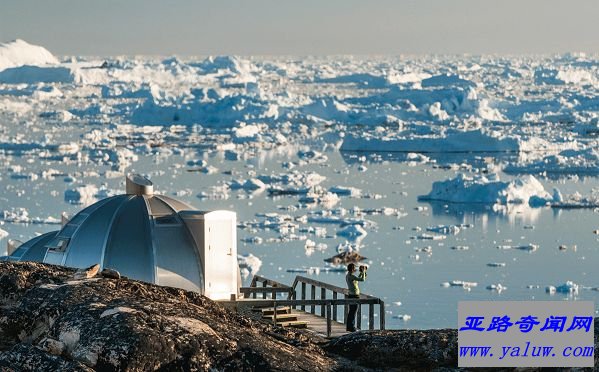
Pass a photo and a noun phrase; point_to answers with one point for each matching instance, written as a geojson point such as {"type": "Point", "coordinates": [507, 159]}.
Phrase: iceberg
{"type": "Point", "coordinates": [19, 53]}
{"type": "Point", "coordinates": [489, 190]}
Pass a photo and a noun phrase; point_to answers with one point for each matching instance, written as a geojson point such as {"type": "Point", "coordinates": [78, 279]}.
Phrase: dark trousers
{"type": "Point", "coordinates": [351, 314]}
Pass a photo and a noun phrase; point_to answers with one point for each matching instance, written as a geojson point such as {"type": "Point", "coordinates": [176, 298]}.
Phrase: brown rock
{"type": "Point", "coordinates": [51, 346]}
{"type": "Point", "coordinates": [110, 274]}
{"type": "Point", "coordinates": [90, 272]}
{"type": "Point", "coordinates": [345, 258]}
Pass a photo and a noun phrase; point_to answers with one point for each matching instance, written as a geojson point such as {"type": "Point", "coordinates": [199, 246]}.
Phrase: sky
{"type": "Point", "coordinates": [303, 27]}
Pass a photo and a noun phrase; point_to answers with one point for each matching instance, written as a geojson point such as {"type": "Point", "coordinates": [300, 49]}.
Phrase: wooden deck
{"type": "Point", "coordinates": [318, 324]}
{"type": "Point", "coordinates": [320, 313]}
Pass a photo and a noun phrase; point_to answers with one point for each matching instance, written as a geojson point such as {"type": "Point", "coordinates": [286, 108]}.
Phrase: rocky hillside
{"type": "Point", "coordinates": [53, 319]}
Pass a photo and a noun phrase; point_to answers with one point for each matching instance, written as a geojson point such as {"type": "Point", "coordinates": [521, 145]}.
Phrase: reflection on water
{"type": "Point", "coordinates": [473, 212]}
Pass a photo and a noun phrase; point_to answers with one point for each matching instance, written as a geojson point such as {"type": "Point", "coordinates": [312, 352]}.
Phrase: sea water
{"type": "Point", "coordinates": [409, 273]}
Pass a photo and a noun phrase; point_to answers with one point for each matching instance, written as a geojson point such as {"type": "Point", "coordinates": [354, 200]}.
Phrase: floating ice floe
{"type": "Point", "coordinates": [3, 234]}
{"type": "Point", "coordinates": [311, 245]}
{"type": "Point", "coordinates": [404, 317]}
{"type": "Point", "coordinates": [527, 248]}
{"type": "Point", "coordinates": [496, 287]}
{"type": "Point", "coordinates": [445, 229]}
{"type": "Point", "coordinates": [219, 192]}
{"type": "Point", "coordinates": [569, 287]}
{"type": "Point", "coordinates": [312, 157]}
{"type": "Point", "coordinates": [428, 250]}
{"type": "Point", "coordinates": [252, 184]}
{"type": "Point", "coordinates": [318, 196]}
{"type": "Point", "coordinates": [84, 194]}
{"type": "Point", "coordinates": [572, 161]}
{"type": "Point", "coordinates": [316, 230]}
{"type": "Point", "coordinates": [316, 270]}
{"type": "Point", "coordinates": [253, 240]}
{"type": "Point", "coordinates": [352, 232]}
{"type": "Point", "coordinates": [576, 201]}
{"type": "Point", "coordinates": [327, 219]}
{"type": "Point", "coordinates": [429, 237]}
{"type": "Point", "coordinates": [21, 215]}
{"type": "Point", "coordinates": [496, 264]}
{"type": "Point", "coordinates": [346, 191]}
{"type": "Point", "coordinates": [459, 283]}
{"type": "Point", "coordinates": [248, 264]}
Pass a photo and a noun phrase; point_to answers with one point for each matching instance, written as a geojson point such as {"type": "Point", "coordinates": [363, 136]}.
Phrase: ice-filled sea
{"type": "Point", "coordinates": [458, 178]}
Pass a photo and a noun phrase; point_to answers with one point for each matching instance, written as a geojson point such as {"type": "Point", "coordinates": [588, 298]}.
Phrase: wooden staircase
{"type": "Point", "coordinates": [285, 317]}
{"type": "Point", "coordinates": [307, 303]}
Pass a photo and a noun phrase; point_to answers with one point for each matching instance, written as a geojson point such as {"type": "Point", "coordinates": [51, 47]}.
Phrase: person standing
{"type": "Point", "coordinates": [354, 292]}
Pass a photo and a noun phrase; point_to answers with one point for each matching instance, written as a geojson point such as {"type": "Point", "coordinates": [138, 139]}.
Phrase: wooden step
{"type": "Point", "coordinates": [280, 310]}
{"type": "Point", "coordinates": [294, 324]}
{"type": "Point", "coordinates": [258, 307]}
{"type": "Point", "coordinates": [281, 317]}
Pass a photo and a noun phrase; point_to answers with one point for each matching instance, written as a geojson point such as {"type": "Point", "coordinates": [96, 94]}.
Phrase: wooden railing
{"type": "Point", "coordinates": [325, 306]}
{"type": "Point", "coordinates": [325, 288]}
{"type": "Point", "coordinates": [267, 286]}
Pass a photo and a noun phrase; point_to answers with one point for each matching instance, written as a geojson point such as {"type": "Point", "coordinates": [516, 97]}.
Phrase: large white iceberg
{"type": "Point", "coordinates": [19, 53]}
{"type": "Point", "coordinates": [489, 190]}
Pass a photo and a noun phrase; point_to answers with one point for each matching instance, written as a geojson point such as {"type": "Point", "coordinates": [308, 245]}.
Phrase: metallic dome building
{"type": "Point", "coordinates": [148, 237]}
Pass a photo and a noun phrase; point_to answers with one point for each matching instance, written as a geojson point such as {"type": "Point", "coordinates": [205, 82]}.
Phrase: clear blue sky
{"type": "Point", "coordinates": [300, 27]}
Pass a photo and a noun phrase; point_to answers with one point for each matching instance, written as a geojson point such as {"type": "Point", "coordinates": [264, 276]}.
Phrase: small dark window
{"type": "Point", "coordinates": [58, 244]}
{"type": "Point", "coordinates": [166, 220]}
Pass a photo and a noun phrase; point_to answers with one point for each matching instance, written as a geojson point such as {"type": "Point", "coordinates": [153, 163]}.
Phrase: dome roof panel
{"type": "Point", "coordinates": [35, 249]}
{"type": "Point", "coordinates": [175, 252]}
{"type": "Point", "coordinates": [157, 207]}
{"type": "Point", "coordinates": [175, 204]}
{"type": "Point", "coordinates": [129, 248]}
{"type": "Point", "coordinates": [94, 223]}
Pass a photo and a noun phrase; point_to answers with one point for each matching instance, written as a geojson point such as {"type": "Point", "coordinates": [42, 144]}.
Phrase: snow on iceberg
{"type": "Point", "coordinates": [19, 53]}
{"type": "Point", "coordinates": [489, 190]}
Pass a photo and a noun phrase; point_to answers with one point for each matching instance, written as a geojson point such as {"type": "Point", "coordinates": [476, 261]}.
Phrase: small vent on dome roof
{"type": "Point", "coordinates": [137, 184]}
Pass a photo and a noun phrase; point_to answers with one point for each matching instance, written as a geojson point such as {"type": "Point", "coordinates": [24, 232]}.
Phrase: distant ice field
{"type": "Point", "coordinates": [459, 178]}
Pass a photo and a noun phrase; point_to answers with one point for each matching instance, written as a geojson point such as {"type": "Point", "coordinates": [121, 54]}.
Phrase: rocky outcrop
{"type": "Point", "coordinates": [405, 349]}
{"type": "Point", "coordinates": [51, 321]}
{"type": "Point", "coordinates": [59, 319]}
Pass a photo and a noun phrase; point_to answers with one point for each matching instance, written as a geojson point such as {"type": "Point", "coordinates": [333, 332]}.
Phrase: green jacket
{"type": "Point", "coordinates": [352, 282]}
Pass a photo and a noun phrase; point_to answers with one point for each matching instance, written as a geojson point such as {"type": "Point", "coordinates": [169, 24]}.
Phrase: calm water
{"type": "Point", "coordinates": [395, 274]}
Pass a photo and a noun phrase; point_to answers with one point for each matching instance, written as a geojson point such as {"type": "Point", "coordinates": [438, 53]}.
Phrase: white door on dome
{"type": "Point", "coordinates": [221, 255]}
